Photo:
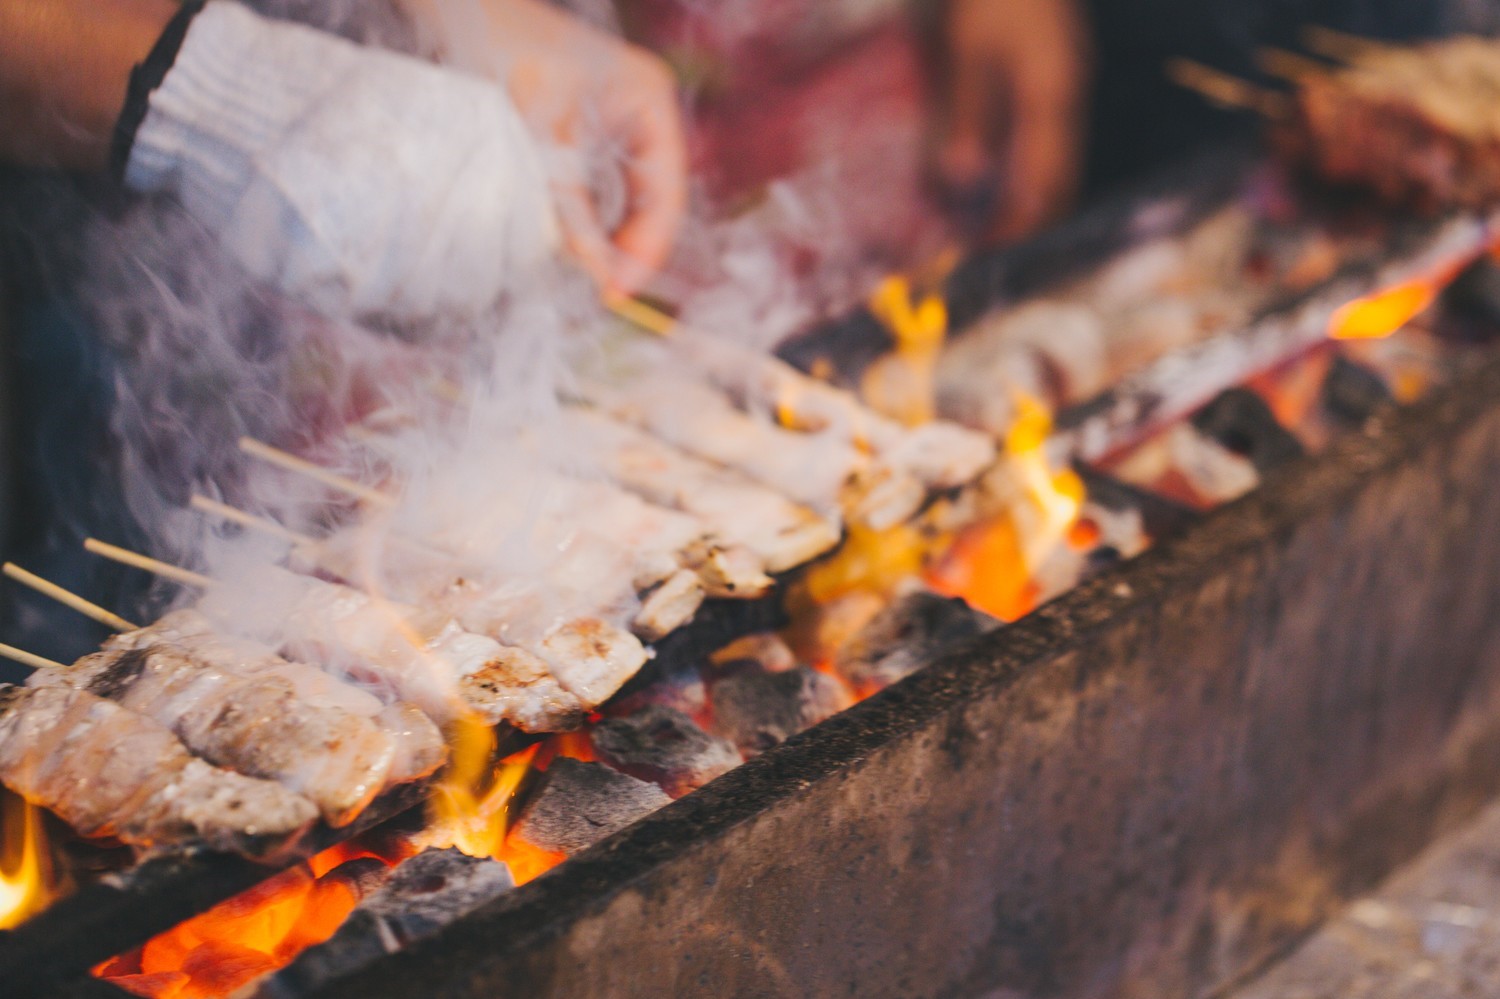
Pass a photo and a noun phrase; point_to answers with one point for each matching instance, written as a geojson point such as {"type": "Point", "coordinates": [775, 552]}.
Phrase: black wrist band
{"type": "Point", "coordinates": [145, 78]}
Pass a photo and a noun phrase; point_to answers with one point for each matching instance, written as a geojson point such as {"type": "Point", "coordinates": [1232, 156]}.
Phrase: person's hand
{"type": "Point", "coordinates": [1009, 86]}
{"type": "Point", "coordinates": [360, 182]}
{"type": "Point", "coordinates": [608, 111]}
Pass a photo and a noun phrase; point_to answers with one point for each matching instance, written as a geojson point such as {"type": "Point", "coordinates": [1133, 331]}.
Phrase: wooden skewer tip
{"type": "Point", "coordinates": [166, 570]}
{"type": "Point", "coordinates": [234, 515]}
{"type": "Point", "coordinates": [301, 466]}
{"type": "Point", "coordinates": [648, 317]}
{"type": "Point", "coordinates": [30, 659]}
{"type": "Point", "coordinates": [68, 598]}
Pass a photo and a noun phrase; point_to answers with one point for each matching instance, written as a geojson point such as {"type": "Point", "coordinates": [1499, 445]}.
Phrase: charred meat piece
{"type": "Point", "coordinates": [423, 658]}
{"type": "Point", "coordinates": [759, 709]}
{"type": "Point", "coordinates": [663, 746]}
{"type": "Point", "coordinates": [577, 804]}
{"type": "Point", "coordinates": [108, 771]}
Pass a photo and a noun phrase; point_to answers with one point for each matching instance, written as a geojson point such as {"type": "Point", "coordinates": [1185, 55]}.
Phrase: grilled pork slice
{"type": "Point", "coordinates": [417, 746]}
{"type": "Point", "coordinates": [735, 507]}
{"type": "Point", "coordinates": [108, 771]}
{"type": "Point", "coordinates": [587, 657]}
{"type": "Point", "coordinates": [258, 726]}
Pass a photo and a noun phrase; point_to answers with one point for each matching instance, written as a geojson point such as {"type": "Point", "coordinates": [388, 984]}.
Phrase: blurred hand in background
{"type": "Point", "coordinates": [608, 111]}
{"type": "Point", "coordinates": [1010, 82]}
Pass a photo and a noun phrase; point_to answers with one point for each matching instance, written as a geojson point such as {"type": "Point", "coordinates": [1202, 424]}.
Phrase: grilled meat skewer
{"type": "Point", "coordinates": [420, 657]}
{"type": "Point", "coordinates": [108, 771]}
{"type": "Point", "coordinates": [240, 707]}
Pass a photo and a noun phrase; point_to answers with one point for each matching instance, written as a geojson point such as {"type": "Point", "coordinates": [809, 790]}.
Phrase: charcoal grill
{"type": "Point", "coordinates": [1152, 785]}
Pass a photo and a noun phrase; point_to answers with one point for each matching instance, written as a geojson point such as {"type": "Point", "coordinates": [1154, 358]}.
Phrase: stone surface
{"type": "Point", "coordinates": [1432, 931]}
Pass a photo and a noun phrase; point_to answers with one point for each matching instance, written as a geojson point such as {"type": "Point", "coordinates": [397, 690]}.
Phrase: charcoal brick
{"type": "Point", "coordinates": [912, 632]}
{"type": "Point", "coordinates": [1241, 421]}
{"type": "Point", "coordinates": [760, 709]}
{"type": "Point", "coordinates": [577, 804]}
{"type": "Point", "coordinates": [1352, 393]}
{"type": "Point", "coordinates": [664, 746]}
{"type": "Point", "coordinates": [418, 898]}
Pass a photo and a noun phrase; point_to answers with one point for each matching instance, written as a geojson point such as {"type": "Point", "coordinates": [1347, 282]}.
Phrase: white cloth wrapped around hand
{"type": "Point", "coordinates": [360, 182]}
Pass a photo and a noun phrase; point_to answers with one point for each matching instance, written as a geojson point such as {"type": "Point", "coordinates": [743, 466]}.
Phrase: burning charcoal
{"type": "Point", "coordinates": [1475, 296]}
{"type": "Point", "coordinates": [665, 747]}
{"type": "Point", "coordinates": [759, 710]}
{"type": "Point", "coordinates": [1352, 392]}
{"type": "Point", "coordinates": [766, 648]}
{"type": "Point", "coordinates": [908, 635]}
{"type": "Point", "coordinates": [1241, 421]}
{"type": "Point", "coordinates": [417, 899]}
{"type": "Point", "coordinates": [1160, 517]}
{"type": "Point", "coordinates": [578, 804]}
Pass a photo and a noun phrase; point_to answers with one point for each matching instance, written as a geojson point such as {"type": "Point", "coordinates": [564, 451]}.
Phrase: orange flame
{"type": "Point", "coordinates": [471, 808]}
{"type": "Point", "coordinates": [901, 384]}
{"type": "Point", "coordinates": [993, 564]}
{"type": "Point", "coordinates": [25, 865]}
{"type": "Point", "coordinates": [1378, 316]}
{"type": "Point", "coordinates": [1385, 312]}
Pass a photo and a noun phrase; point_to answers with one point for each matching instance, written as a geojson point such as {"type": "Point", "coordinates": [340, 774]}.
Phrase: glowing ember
{"type": "Point", "coordinates": [1382, 314]}
{"type": "Point", "coordinates": [243, 939]}
{"type": "Point", "coordinates": [25, 867]}
{"type": "Point", "coordinates": [1377, 316]}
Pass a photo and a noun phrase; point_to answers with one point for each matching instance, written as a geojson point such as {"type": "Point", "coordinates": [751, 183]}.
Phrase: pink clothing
{"type": "Point", "coordinates": [828, 96]}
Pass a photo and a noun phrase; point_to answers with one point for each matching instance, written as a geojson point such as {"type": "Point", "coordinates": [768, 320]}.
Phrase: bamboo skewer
{"type": "Point", "coordinates": [300, 466]}
{"type": "Point", "coordinates": [1289, 66]}
{"type": "Point", "coordinates": [264, 525]}
{"type": "Point", "coordinates": [166, 570]}
{"type": "Point", "coordinates": [68, 598]}
{"type": "Point", "coordinates": [1340, 45]}
{"type": "Point", "coordinates": [1227, 91]}
{"type": "Point", "coordinates": [30, 659]}
{"type": "Point", "coordinates": [647, 317]}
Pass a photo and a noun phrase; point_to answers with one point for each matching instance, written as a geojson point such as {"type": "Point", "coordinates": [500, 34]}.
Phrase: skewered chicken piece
{"type": "Point", "coordinates": [239, 706]}
{"type": "Point", "coordinates": [735, 507]}
{"type": "Point", "coordinates": [566, 655]}
{"type": "Point", "coordinates": [832, 476]}
{"type": "Point", "coordinates": [108, 771]}
{"type": "Point", "coordinates": [939, 454]}
{"type": "Point", "coordinates": [423, 658]}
